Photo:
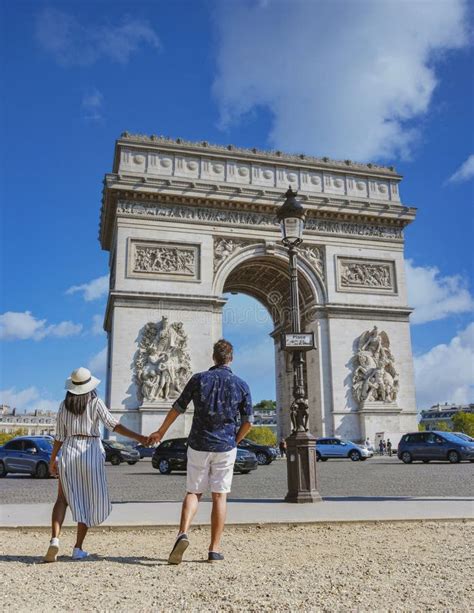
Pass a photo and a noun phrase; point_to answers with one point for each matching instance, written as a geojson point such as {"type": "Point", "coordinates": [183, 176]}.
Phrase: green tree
{"type": "Point", "coordinates": [265, 405]}
{"type": "Point", "coordinates": [464, 422]}
{"type": "Point", "coordinates": [262, 435]}
{"type": "Point", "coordinates": [442, 426]}
{"type": "Point", "coordinates": [421, 427]}
{"type": "Point", "coordinates": [7, 436]}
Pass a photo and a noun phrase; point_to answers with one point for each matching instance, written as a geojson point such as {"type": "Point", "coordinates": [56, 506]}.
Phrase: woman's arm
{"type": "Point", "coordinates": [53, 469]}
{"type": "Point", "coordinates": [130, 434]}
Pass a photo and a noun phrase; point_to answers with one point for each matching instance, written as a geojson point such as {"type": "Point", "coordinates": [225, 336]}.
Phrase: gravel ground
{"type": "Point", "coordinates": [338, 567]}
{"type": "Point", "coordinates": [375, 477]}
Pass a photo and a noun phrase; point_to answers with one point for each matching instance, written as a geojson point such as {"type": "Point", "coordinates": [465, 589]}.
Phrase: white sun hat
{"type": "Point", "coordinates": [81, 381]}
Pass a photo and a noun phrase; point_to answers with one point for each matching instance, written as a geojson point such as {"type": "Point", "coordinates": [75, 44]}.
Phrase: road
{"type": "Point", "coordinates": [375, 477]}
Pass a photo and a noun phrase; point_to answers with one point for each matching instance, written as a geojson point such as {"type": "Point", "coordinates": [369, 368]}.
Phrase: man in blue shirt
{"type": "Point", "coordinates": [223, 415]}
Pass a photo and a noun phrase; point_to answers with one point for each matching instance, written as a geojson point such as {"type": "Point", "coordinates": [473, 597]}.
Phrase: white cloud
{"type": "Point", "coordinates": [343, 79]}
{"type": "Point", "coordinates": [97, 288]}
{"type": "Point", "coordinates": [464, 172]}
{"type": "Point", "coordinates": [98, 364]}
{"type": "Point", "coordinates": [23, 326]}
{"type": "Point", "coordinates": [445, 373]}
{"type": "Point", "coordinates": [433, 296]}
{"type": "Point", "coordinates": [28, 399]}
{"type": "Point", "coordinates": [92, 104]}
{"type": "Point", "coordinates": [97, 325]}
{"type": "Point", "coordinates": [73, 43]}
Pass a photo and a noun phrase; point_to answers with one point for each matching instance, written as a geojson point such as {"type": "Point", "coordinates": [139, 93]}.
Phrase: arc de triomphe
{"type": "Point", "coordinates": [186, 222]}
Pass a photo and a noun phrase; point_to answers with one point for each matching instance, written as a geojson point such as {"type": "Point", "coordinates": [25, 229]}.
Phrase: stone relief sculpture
{"type": "Point", "coordinates": [315, 257]}
{"type": "Point", "coordinates": [369, 275]}
{"type": "Point", "coordinates": [374, 377]}
{"type": "Point", "coordinates": [163, 259]}
{"type": "Point", "coordinates": [236, 217]}
{"type": "Point", "coordinates": [162, 362]}
{"type": "Point", "coordinates": [224, 247]}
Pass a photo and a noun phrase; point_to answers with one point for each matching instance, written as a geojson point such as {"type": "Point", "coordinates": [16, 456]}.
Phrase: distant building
{"type": "Point", "coordinates": [34, 423]}
{"type": "Point", "coordinates": [266, 418]}
{"type": "Point", "coordinates": [443, 413]}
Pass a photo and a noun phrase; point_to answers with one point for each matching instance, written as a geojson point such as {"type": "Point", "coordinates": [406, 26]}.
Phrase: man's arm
{"type": "Point", "coordinates": [156, 437]}
{"type": "Point", "coordinates": [243, 431]}
{"type": "Point", "coordinates": [246, 415]}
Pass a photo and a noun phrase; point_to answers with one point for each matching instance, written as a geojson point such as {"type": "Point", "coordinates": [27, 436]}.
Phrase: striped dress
{"type": "Point", "coordinates": [81, 464]}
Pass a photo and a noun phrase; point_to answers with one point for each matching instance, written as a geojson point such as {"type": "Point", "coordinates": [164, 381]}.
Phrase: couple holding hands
{"type": "Point", "coordinates": [223, 415]}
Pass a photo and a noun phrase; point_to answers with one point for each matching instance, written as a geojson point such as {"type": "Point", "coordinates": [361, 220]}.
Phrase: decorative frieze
{"type": "Point", "coordinates": [364, 275]}
{"type": "Point", "coordinates": [250, 218]}
{"type": "Point", "coordinates": [156, 259]}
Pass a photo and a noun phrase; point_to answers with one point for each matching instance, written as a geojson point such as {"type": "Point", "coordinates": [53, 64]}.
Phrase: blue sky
{"type": "Point", "coordinates": [387, 81]}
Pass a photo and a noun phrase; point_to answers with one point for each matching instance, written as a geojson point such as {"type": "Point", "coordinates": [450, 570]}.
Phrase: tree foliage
{"type": "Point", "coordinates": [464, 422]}
{"type": "Point", "coordinates": [7, 436]}
{"type": "Point", "coordinates": [266, 405]}
{"type": "Point", "coordinates": [262, 435]}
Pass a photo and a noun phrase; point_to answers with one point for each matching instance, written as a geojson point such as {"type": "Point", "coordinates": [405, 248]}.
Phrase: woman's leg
{"type": "Point", "coordinates": [81, 535]}
{"type": "Point", "coordinates": [59, 512]}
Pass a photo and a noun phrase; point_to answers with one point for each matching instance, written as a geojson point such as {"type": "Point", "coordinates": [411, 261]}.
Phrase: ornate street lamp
{"type": "Point", "coordinates": [301, 444]}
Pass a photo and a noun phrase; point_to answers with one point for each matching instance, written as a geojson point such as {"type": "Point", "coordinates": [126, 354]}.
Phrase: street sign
{"type": "Point", "coordinates": [301, 341]}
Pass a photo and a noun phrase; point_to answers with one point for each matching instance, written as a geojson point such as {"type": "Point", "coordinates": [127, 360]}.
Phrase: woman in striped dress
{"type": "Point", "coordinates": [82, 483]}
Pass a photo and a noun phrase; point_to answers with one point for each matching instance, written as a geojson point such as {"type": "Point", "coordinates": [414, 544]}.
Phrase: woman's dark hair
{"type": "Point", "coordinates": [223, 352]}
{"type": "Point", "coordinates": [77, 403]}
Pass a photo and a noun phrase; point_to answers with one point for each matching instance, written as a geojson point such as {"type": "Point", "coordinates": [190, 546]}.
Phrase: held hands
{"type": "Point", "coordinates": [143, 440]}
{"type": "Point", "coordinates": [154, 438]}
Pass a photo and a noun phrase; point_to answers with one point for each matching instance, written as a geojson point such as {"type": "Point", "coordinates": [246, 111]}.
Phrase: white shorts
{"type": "Point", "coordinates": [209, 469]}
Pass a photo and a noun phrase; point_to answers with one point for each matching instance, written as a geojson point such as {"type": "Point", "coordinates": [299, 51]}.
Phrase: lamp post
{"type": "Point", "coordinates": [301, 444]}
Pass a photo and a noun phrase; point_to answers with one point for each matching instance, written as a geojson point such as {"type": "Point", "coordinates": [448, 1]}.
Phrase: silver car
{"type": "Point", "coordinates": [338, 448]}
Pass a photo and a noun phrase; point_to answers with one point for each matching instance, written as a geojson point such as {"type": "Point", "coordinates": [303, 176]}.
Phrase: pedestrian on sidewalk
{"type": "Point", "coordinates": [389, 447]}
{"type": "Point", "coordinates": [82, 483]}
{"type": "Point", "coordinates": [381, 446]}
{"type": "Point", "coordinates": [223, 415]}
{"type": "Point", "coordinates": [282, 447]}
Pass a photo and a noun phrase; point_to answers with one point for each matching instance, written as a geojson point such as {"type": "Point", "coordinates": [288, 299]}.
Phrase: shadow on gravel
{"type": "Point", "coordinates": [395, 498]}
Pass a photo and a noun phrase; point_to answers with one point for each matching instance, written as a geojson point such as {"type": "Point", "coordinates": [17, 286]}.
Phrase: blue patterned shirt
{"type": "Point", "coordinates": [222, 402]}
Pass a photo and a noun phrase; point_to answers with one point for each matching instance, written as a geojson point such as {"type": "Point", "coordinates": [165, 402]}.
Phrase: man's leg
{"type": "Point", "coordinates": [188, 511]}
{"type": "Point", "coordinates": [218, 515]}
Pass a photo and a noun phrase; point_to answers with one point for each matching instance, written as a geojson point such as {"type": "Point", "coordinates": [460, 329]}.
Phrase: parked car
{"type": "Point", "coordinates": [338, 448]}
{"type": "Point", "coordinates": [26, 454]}
{"type": "Point", "coordinates": [434, 445]}
{"type": "Point", "coordinates": [116, 453]}
{"type": "Point", "coordinates": [464, 436]}
{"type": "Point", "coordinates": [172, 455]}
{"type": "Point", "coordinates": [264, 453]}
{"type": "Point", "coordinates": [145, 452]}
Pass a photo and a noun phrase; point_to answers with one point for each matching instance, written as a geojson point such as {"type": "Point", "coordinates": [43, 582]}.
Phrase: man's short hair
{"type": "Point", "coordinates": [223, 352]}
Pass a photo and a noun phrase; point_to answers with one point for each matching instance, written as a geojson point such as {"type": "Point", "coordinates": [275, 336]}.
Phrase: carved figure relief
{"type": "Point", "coordinates": [224, 247]}
{"type": "Point", "coordinates": [314, 256]}
{"type": "Point", "coordinates": [366, 275]}
{"type": "Point", "coordinates": [236, 217]}
{"type": "Point", "coordinates": [374, 377]}
{"type": "Point", "coordinates": [159, 259]}
{"type": "Point", "coordinates": [162, 362]}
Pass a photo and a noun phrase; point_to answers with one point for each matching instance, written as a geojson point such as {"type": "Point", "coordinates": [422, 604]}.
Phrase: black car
{"type": "Point", "coordinates": [172, 455]}
{"type": "Point", "coordinates": [265, 454]}
{"type": "Point", "coordinates": [434, 445]}
{"type": "Point", "coordinates": [116, 453]}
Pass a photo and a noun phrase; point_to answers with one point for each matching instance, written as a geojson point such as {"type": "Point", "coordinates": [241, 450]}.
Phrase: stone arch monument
{"type": "Point", "coordinates": [186, 222]}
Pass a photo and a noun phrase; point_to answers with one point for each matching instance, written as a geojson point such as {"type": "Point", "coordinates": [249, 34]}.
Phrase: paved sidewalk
{"type": "Point", "coordinates": [269, 511]}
